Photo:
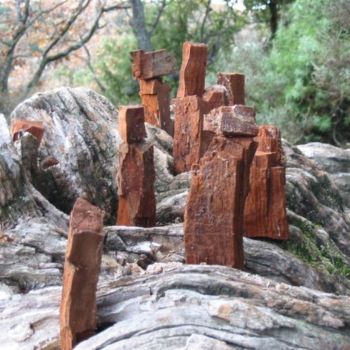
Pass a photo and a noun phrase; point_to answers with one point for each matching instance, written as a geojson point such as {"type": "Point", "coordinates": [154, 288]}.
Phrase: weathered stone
{"type": "Point", "coordinates": [231, 121]}
{"type": "Point", "coordinates": [149, 65]}
{"type": "Point", "coordinates": [136, 176]}
{"type": "Point", "coordinates": [155, 97]}
{"type": "Point", "coordinates": [80, 134]}
{"type": "Point", "coordinates": [170, 303]}
{"type": "Point", "coordinates": [35, 128]}
{"type": "Point", "coordinates": [265, 210]}
{"type": "Point", "coordinates": [81, 270]}
{"type": "Point", "coordinates": [335, 161]}
{"type": "Point", "coordinates": [234, 83]}
{"type": "Point", "coordinates": [193, 68]}
{"type": "Point", "coordinates": [132, 124]}
{"type": "Point", "coordinates": [214, 213]}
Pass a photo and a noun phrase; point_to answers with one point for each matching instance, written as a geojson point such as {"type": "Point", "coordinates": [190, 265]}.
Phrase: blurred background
{"type": "Point", "coordinates": [295, 53]}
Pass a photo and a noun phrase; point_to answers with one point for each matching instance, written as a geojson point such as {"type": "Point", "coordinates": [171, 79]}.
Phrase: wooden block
{"type": "Point", "coordinates": [81, 270]}
{"type": "Point", "coordinates": [155, 97]}
{"type": "Point", "coordinates": [214, 96]}
{"type": "Point", "coordinates": [132, 124]}
{"type": "Point", "coordinates": [149, 87]}
{"type": "Point", "coordinates": [265, 212]}
{"type": "Point", "coordinates": [269, 139]}
{"type": "Point", "coordinates": [153, 64]}
{"type": "Point", "coordinates": [214, 212]}
{"type": "Point", "coordinates": [234, 84]}
{"type": "Point", "coordinates": [187, 132]}
{"type": "Point", "coordinates": [193, 69]}
{"type": "Point", "coordinates": [136, 176]}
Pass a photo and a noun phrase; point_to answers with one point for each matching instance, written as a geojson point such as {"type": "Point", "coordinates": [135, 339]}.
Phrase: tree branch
{"type": "Point", "coordinates": [92, 70]}
{"type": "Point", "coordinates": [156, 21]}
{"type": "Point", "coordinates": [207, 10]}
{"type": "Point", "coordinates": [7, 67]}
{"type": "Point", "coordinates": [81, 7]}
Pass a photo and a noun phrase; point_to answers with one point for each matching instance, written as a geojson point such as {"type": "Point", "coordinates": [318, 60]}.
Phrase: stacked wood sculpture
{"type": "Point", "coordinates": [137, 204]}
{"type": "Point", "coordinates": [214, 214]}
{"type": "Point", "coordinates": [235, 190]}
{"type": "Point", "coordinates": [148, 68]}
{"type": "Point", "coordinates": [191, 104]}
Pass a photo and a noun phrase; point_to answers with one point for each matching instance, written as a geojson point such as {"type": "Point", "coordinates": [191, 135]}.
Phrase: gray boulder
{"type": "Point", "coordinates": [335, 161]}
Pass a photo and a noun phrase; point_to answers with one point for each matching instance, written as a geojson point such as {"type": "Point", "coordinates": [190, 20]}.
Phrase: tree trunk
{"type": "Point", "coordinates": [138, 25]}
{"type": "Point", "coordinates": [273, 8]}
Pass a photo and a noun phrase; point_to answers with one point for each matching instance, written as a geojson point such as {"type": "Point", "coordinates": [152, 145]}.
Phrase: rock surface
{"type": "Point", "coordinates": [175, 306]}
{"type": "Point", "coordinates": [335, 161]}
{"type": "Point", "coordinates": [81, 134]}
{"type": "Point", "coordinates": [171, 304]}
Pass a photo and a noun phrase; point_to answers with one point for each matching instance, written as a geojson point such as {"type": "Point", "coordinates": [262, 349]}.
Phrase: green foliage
{"type": "Point", "coordinates": [180, 21]}
{"type": "Point", "coordinates": [193, 21]}
{"type": "Point", "coordinates": [267, 12]}
{"type": "Point", "coordinates": [113, 64]}
{"type": "Point", "coordinates": [302, 83]}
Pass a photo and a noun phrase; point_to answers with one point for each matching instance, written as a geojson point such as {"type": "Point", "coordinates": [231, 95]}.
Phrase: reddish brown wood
{"type": "Point", "coordinates": [193, 68]}
{"type": "Point", "coordinates": [153, 64]}
{"type": "Point", "coordinates": [33, 127]}
{"type": "Point", "coordinates": [136, 175]}
{"type": "Point", "coordinates": [269, 139]}
{"type": "Point", "coordinates": [265, 210]}
{"type": "Point", "coordinates": [214, 96]}
{"type": "Point", "coordinates": [155, 97]}
{"type": "Point", "coordinates": [187, 133]}
{"type": "Point", "coordinates": [81, 270]}
{"type": "Point", "coordinates": [132, 124]}
{"type": "Point", "coordinates": [234, 84]}
{"type": "Point", "coordinates": [190, 140]}
{"type": "Point", "coordinates": [214, 212]}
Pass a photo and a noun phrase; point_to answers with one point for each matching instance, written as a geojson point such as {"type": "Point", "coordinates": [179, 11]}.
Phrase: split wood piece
{"type": "Point", "coordinates": [269, 139]}
{"type": "Point", "coordinates": [231, 121]}
{"type": "Point", "coordinates": [214, 96]}
{"type": "Point", "coordinates": [153, 64]}
{"type": "Point", "coordinates": [265, 211]}
{"type": "Point", "coordinates": [136, 175]}
{"type": "Point", "coordinates": [234, 84]}
{"type": "Point", "coordinates": [193, 68]}
{"type": "Point", "coordinates": [81, 270]}
{"type": "Point", "coordinates": [132, 124]}
{"type": "Point", "coordinates": [33, 127]}
{"type": "Point", "coordinates": [155, 97]}
{"type": "Point", "coordinates": [214, 212]}
{"type": "Point", "coordinates": [190, 142]}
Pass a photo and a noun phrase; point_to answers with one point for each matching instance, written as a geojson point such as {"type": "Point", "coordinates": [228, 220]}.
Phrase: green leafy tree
{"type": "Point", "coordinates": [302, 84]}
{"type": "Point", "coordinates": [268, 12]}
